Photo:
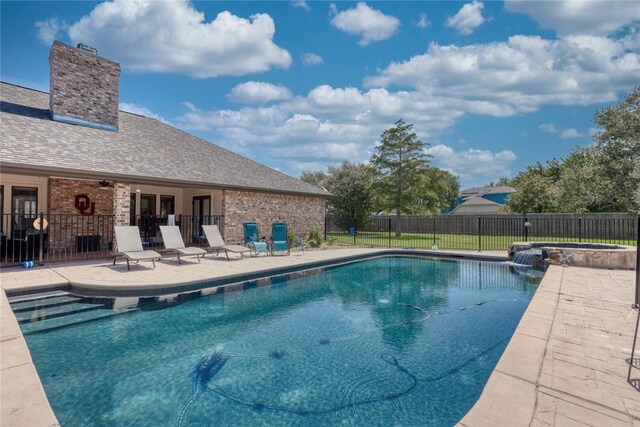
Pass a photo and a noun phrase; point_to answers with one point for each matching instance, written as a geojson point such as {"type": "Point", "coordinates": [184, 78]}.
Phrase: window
{"type": "Point", "coordinates": [167, 205]}
{"type": "Point", "coordinates": [147, 204]}
{"type": "Point", "coordinates": [132, 209]}
{"type": "Point", "coordinates": [24, 206]}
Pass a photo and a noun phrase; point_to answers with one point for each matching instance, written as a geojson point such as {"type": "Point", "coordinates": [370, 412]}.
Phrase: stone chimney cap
{"type": "Point", "coordinates": [87, 48]}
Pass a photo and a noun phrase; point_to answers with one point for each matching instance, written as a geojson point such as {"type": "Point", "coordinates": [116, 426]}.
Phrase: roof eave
{"type": "Point", "coordinates": [24, 169]}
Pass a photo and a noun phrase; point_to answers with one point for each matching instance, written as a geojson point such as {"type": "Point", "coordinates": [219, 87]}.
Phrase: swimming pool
{"type": "Point", "coordinates": [386, 341]}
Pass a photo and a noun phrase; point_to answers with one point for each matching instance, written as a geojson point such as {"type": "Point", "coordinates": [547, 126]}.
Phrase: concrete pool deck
{"type": "Point", "coordinates": [564, 365]}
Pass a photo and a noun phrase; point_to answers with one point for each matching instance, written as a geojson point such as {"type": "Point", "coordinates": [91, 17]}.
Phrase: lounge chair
{"type": "Point", "coordinates": [215, 242]}
{"type": "Point", "coordinates": [279, 242]}
{"type": "Point", "coordinates": [173, 242]}
{"type": "Point", "coordinates": [252, 241]}
{"type": "Point", "coordinates": [130, 246]}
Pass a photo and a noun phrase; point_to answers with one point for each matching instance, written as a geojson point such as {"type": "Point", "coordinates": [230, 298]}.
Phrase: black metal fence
{"type": "Point", "coordinates": [485, 232]}
{"type": "Point", "coordinates": [45, 238]}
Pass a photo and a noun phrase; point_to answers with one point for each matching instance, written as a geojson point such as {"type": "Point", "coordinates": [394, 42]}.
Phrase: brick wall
{"type": "Point", "coordinates": [65, 221]}
{"type": "Point", "coordinates": [83, 85]}
{"type": "Point", "coordinates": [299, 212]}
{"type": "Point", "coordinates": [121, 203]}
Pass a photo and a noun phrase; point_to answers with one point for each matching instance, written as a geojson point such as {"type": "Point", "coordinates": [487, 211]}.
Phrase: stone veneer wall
{"type": "Point", "coordinates": [65, 221]}
{"type": "Point", "coordinates": [299, 212]}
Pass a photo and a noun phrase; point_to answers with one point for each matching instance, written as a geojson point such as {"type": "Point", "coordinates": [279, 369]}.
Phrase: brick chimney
{"type": "Point", "coordinates": [84, 87]}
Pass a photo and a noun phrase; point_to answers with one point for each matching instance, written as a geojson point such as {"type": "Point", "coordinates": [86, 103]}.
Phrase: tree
{"type": "Point", "coordinates": [581, 186]}
{"type": "Point", "coordinates": [535, 188]}
{"type": "Point", "coordinates": [353, 200]}
{"type": "Point", "coordinates": [503, 180]}
{"type": "Point", "coordinates": [319, 178]}
{"type": "Point", "coordinates": [401, 163]}
{"type": "Point", "coordinates": [440, 189]}
{"type": "Point", "coordinates": [617, 147]}
{"type": "Point", "coordinates": [604, 177]}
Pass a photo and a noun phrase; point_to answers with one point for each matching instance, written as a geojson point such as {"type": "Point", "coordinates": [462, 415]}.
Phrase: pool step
{"type": "Point", "coordinates": [44, 311]}
{"type": "Point", "coordinates": [38, 314]}
{"type": "Point", "coordinates": [71, 319]}
{"type": "Point", "coordinates": [37, 296]}
{"type": "Point", "coordinates": [44, 302]}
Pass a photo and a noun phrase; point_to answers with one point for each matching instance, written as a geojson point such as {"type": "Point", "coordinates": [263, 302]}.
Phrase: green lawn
{"type": "Point", "coordinates": [447, 241]}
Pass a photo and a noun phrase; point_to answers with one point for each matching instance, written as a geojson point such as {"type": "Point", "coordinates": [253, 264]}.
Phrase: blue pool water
{"type": "Point", "coordinates": [389, 341]}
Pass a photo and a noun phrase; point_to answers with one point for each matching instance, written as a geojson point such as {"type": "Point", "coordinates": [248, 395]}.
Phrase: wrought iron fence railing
{"type": "Point", "coordinates": [43, 238]}
{"type": "Point", "coordinates": [484, 232]}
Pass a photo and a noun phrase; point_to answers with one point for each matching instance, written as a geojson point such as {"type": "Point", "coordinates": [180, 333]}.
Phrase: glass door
{"type": "Point", "coordinates": [24, 206]}
{"type": "Point", "coordinates": [201, 214]}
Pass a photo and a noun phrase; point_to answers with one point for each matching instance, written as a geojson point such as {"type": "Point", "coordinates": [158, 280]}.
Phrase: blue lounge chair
{"type": "Point", "coordinates": [252, 241]}
{"type": "Point", "coordinates": [279, 238]}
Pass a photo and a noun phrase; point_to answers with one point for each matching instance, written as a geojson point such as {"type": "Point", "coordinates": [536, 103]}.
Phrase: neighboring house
{"type": "Point", "coordinates": [481, 200]}
{"type": "Point", "coordinates": [75, 142]}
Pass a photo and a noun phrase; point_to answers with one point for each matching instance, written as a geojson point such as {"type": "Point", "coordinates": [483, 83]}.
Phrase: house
{"type": "Point", "coordinates": [72, 152]}
{"type": "Point", "coordinates": [481, 200]}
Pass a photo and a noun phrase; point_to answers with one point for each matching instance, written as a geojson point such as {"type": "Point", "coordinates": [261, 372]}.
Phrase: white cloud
{"type": "Point", "coordinates": [141, 111]}
{"type": "Point", "coordinates": [258, 93]}
{"type": "Point", "coordinates": [424, 21]}
{"type": "Point", "coordinates": [173, 37]}
{"type": "Point", "coordinates": [310, 58]}
{"type": "Point", "coordinates": [571, 133]}
{"type": "Point", "coordinates": [301, 4]}
{"type": "Point", "coordinates": [370, 24]}
{"type": "Point", "coordinates": [472, 163]}
{"type": "Point", "coordinates": [579, 16]}
{"type": "Point", "coordinates": [548, 128]}
{"type": "Point", "coordinates": [565, 133]}
{"type": "Point", "coordinates": [519, 75]}
{"type": "Point", "coordinates": [49, 30]}
{"type": "Point", "coordinates": [468, 18]}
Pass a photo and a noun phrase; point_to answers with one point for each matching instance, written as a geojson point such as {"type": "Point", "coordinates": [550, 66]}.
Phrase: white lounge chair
{"type": "Point", "coordinates": [215, 242]}
{"type": "Point", "coordinates": [130, 246]}
{"type": "Point", "coordinates": [173, 242]}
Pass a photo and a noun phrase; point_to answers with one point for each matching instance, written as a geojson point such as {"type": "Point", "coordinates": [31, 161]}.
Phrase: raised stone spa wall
{"type": "Point", "coordinates": [299, 212]}
{"type": "Point", "coordinates": [618, 257]}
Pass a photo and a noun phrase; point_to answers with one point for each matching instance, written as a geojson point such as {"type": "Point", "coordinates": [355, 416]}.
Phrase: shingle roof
{"type": "Point", "coordinates": [478, 201]}
{"type": "Point", "coordinates": [143, 148]}
{"type": "Point", "coordinates": [475, 191]}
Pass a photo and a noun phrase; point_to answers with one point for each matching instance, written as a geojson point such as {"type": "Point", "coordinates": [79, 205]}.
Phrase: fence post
{"type": "Point", "coordinates": [637, 302]}
{"type": "Point", "coordinates": [326, 218]}
{"type": "Point", "coordinates": [479, 234]}
{"type": "Point", "coordinates": [579, 229]}
{"type": "Point", "coordinates": [434, 233]}
{"type": "Point", "coordinates": [526, 226]}
{"type": "Point", "coordinates": [41, 249]}
{"type": "Point", "coordinates": [389, 230]}
{"type": "Point", "coordinates": [354, 235]}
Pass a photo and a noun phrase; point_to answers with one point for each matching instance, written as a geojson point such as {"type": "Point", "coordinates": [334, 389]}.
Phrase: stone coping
{"type": "Point", "coordinates": [24, 402]}
{"type": "Point", "coordinates": [565, 364]}
{"type": "Point", "coordinates": [104, 278]}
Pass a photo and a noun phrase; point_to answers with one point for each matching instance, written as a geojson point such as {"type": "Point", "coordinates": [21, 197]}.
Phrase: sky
{"type": "Point", "coordinates": [490, 86]}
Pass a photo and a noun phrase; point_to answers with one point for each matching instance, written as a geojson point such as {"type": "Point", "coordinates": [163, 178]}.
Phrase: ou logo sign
{"type": "Point", "coordinates": [84, 205]}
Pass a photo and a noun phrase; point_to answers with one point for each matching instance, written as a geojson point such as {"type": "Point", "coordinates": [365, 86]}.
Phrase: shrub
{"type": "Point", "coordinates": [315, 238]}
{"type": "Point", "coordinates": [291, 238]}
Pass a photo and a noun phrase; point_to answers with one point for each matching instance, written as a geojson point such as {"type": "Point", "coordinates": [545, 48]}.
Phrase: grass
{"type": "Point", "coordinates": [449, 241]}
